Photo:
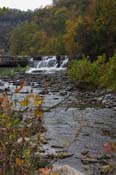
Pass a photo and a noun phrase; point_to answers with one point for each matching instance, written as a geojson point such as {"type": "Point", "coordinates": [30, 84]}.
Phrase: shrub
{"type": "Point", "coordinates": [108, 77]}
{"type": "Point", "coordinates": [84, 71]}
{"type": "Point", "coordinates": [20, 132]}
{"type": "Point", "coordinates": [96, 74]}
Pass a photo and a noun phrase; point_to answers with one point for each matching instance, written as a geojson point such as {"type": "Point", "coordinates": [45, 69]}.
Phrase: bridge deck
{"type": "Point", "coordinates": [13, 61]}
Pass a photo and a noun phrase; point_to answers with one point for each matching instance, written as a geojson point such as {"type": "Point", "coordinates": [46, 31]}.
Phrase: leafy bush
{"type": "Point", "coordinates": [96, 74]}
{"type": "Point", "coordinates": [84, 71]}
{"type": "Point", "coordinates": [108, 78]}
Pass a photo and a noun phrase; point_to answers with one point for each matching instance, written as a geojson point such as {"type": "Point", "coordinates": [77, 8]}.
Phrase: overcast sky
{"type": "Point", "coordinates": [24, 4]}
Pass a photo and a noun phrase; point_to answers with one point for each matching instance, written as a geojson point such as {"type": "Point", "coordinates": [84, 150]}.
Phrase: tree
{"type": "Point", "coordinates": [95, 34]}
{"type": "Point", "coordinates": [23, 38]}
{"type": "Point", "coordinates": [70, 36]}
{"type": "Point", "coordinates": [105, 26]}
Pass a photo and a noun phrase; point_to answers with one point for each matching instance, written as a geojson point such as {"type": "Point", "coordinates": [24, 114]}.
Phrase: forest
{"type": "Point", "coordinates": [75, 28]}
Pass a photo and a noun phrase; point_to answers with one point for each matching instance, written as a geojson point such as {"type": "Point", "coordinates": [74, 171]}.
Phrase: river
{"type": "Point", "coordinates": [81, 123]}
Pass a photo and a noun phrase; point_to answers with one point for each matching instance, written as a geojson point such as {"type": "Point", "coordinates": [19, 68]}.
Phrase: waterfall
{"type": "Point", "coordinates": [48, 64]}
{"type": "Point", "coordinates": [64, 63]}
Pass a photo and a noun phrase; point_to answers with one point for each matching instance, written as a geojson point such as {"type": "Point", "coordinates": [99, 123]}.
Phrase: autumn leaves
{"type": "Point", "coordinates": [21, 132]}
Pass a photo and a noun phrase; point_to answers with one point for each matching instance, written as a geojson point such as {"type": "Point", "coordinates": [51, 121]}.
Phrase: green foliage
{"type": "Point", "coordinates": [9, 19]}
{"type": "Point", "coordinates": [69, 3]}
{"type": "Point", "coordinates": [24, 39]}
{"type": "Point", "coordinates": [68, 27]}
{"type": "Point", "coordinates": [52, 22]}
{"type": "Point", "coordinates": [59, 45]}
{"type": "Point", "coordinates": [95, 35]}
{"type": "Point", "coordinates": [96, 74]}
{"type": "Point", "coordinates": [108, 78]}
{"type": "Point", "coordinates": [84, 72]}
{"type": "Point", "coordinates": [105, 25]}
{"type": "Point", "coordinates": [3, 11]}
{"type": "Point", "coordinates": [70, 41]}
{"type": "Point", "coordinates": [8, 72]}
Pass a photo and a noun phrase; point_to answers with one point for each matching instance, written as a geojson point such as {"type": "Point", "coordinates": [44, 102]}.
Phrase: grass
{"type": "Point", "coordinates": [10, 71]}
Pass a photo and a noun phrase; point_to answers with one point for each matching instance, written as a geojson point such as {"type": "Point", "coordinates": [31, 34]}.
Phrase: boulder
{"type": "Point", "coordinates": [66, 170]}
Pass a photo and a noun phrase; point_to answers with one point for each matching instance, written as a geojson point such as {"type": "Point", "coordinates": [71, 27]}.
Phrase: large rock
{"type": "Point", "coordinates": [66, 170]}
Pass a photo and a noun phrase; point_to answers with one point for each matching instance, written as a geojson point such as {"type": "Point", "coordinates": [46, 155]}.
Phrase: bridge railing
{"type": "Point", "coordinates": [13, 60]}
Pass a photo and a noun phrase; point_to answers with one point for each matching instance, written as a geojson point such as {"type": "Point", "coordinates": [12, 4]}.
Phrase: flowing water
{"type": "Point", "coordinates": [47, 65]}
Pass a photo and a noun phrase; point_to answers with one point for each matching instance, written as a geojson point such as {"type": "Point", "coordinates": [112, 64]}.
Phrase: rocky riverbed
{"type": "Point", "coordinates": [78, 121]}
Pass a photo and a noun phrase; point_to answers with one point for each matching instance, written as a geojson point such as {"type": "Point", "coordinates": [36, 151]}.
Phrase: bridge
{"type": "Point", "coordinates": [14, 61]}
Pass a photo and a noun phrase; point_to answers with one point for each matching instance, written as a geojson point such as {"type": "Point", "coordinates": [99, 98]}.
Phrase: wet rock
{"type": "Point", "coordinates": [56, 98]}
{"type": "Point", "coordinates": [42, 151]}
{"type": "Point", "coordinates": [104, 157]}
{"type": "Point", "coordinates": [64, 155]}
{"type": "Point", "coordinates": [88, 160]}
{"type": "Point", "coordinates": [57, 146]}
{"type": "Point", "coordinates": [1, 83]}
{"type": "Point", "coordinates": [63, 93]}
{"type": "Point", "coordinates": [107, 169]}
{"type": "Point", "coordinates": [85, 152]}
{"type": "Point", "coordinates": [65, 170]}
{"type": "Point", "coordinates": [61, 155]}
{"type": "Point", "coordinates": [44, 92]}
{"type": "Point", "coordinates": [86, 134]}
{"type": "Point", "coordinates": [17, 82]}
{"type": "Point", "coordinates": [69, 88]}
{"type": "Point", "coordinates": [107, 132]}
{"type": "Point", "coordinates": [4, 86]}
{"type": "Point", "coordinates": [45, 142]}
{"type": "Point", "coordinates": [100, 99]}
{"type": "Point", "coordinates": [99, 123]}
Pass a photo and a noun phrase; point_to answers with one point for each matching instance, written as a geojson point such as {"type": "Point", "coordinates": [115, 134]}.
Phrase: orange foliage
{"type": "Point", "coordinates": [69, 37]}
{"type": "Point", "coordinates": [91, 10]}
{"type": "Point", "coordinates": [20, 87]}
{"type": "Point", "coordinates": [47, 171]}
{"type": "Point", "coordinates": [5, 103]}
{"type": "Point", "coordinates": [44, 171]}
{"type": "Point", "coordinates": [19, 161]}
{"type": "Point", "coordinates": [110, 147]}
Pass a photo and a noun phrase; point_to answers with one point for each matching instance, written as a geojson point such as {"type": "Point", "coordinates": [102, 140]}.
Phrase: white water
{"type": "Point", "coordinates": [64, 63]}
{"type": "Point", "coordinates": [48, 65]}
{"type": "Point", "coordinates": [3, 85]}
